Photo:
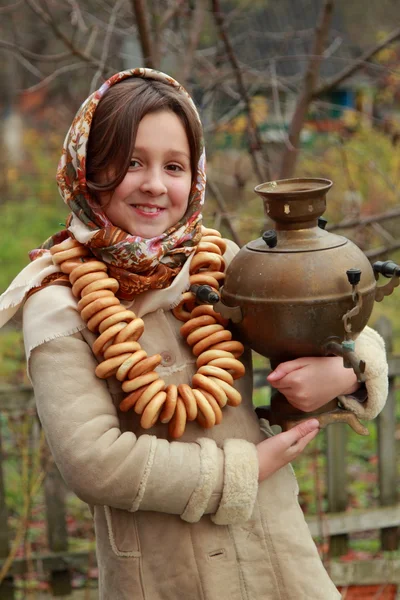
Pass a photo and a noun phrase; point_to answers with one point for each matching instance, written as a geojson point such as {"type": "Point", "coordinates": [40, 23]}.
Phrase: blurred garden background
{"type": "Point", "coordinates": [284, 89]}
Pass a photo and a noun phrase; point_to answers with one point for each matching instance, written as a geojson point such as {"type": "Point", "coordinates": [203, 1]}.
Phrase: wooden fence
{"type": "Point", "coordinates": [337, 524]}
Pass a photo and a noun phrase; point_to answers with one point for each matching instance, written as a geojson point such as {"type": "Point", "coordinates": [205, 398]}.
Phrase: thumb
{"type": "Point", "coordinates": [301, 430]}
{"type": "Point", "coordinates": [284, 368]}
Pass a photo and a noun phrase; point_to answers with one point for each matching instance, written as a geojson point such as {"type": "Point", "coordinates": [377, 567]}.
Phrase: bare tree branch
{"type": "Point", "coordinates": [46, 17]}
{"type": "Point", "coordinates": [91, 39]}
{"type": "Point", "coordinates": [223, 210]}
{"type": "Point", "coordinates": [262, 171]}
{"type": "Point", "coordinates": [28, 65]}
{"type": "Point", "coordinates": [382, 232]}
{"type": "Point", "coordinates": [305, 97]}
{"type": "Point", "coordinates": [382, 251]}
{"type": "Point", "coordinates": [363, 221]}
{"type": "Point", "coordinates": [143, 27]}
{"type": "Point", "coordinates": [357, 64]}
{"type": "Point", "coordinates": [33, 55]}
{"type": "Point", "coordinates": [196, 25]}
{"type": "Point", "coordinates": [55, 74]}
{"type": "Point", "coordinates": [77, 17]}
{"type": "Point", "coordinates": [106, 44]}
{"type": "Point", "coordinates": [218, 79]}
{"type": "Point", "coordinates": [173, 10]}
{"type": "Point", "coordinates": [10, 7]}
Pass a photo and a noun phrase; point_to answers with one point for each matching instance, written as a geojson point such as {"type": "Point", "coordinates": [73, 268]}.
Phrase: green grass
{"type": "Point", "coordinates": [25, 226]}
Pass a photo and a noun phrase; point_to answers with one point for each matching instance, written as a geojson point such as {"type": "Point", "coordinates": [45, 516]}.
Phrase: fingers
{"type": "Point", "coordinates": [279, 450]}
{"type": "Point", "coordinates": [284, 369]}
{"type": "Point", "coordinates": [300, 431]}
{"type": "Point", "coordinates": [298, 447]}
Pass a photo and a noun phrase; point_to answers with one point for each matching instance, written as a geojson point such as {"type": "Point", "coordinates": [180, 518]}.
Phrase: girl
{"type": "Point", "coordinates": [190, 499]}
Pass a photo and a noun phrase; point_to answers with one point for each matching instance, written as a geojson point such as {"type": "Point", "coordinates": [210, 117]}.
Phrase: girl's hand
{"type": "Point", "coordinates": [276, 452]}
{"type": "Point", "coordinates": [309, 383]}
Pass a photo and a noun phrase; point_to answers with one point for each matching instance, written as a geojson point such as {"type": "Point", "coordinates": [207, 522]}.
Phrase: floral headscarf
{"type": "Point", "coordinates": [139, 264]}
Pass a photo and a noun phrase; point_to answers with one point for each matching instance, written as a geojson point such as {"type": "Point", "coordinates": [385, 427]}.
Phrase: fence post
{"type": "Point", "coordinates": [336, 438]}
{"type": "Point", "coordinates": [7, 585]}
{"type": "Point", "coordinates": [387, 460]}
{"type": "Point", "coordinates": [54, 492]}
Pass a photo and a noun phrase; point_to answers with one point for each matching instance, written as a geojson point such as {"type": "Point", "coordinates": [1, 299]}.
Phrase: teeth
{"type": "Point", "coordinates": [149, 209]}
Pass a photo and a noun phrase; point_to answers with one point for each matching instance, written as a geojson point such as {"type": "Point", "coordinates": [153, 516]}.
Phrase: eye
{"type": "Point", "coordinates": [174, 168]}
{"type": "Point", "coordinates": [134, 163]}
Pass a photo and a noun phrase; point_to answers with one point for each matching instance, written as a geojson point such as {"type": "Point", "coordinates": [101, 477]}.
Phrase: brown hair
{"type": "Point", "coordinates": [116, 120]}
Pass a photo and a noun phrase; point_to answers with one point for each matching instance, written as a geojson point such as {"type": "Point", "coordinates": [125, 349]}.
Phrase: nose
{"type": "Point", "coordinates": [153, 183]}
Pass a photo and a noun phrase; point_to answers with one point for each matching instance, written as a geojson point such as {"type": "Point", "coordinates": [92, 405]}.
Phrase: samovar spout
{"type": "Point", "coordinates": [205, 294]}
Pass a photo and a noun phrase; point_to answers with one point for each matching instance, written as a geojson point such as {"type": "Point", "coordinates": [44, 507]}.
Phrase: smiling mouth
{"type": "Point", "coordinates": [151, 210]}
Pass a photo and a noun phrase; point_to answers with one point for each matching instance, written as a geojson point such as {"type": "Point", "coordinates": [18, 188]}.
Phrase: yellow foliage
{"type": "Point", "coordinates": [11, 175]}
{"type": "Point", "coordinates": [367, 162]}
{"type": "Point", "coordinates": [259, 110]}
{"type": "Point", "coordinates": [386, 55]}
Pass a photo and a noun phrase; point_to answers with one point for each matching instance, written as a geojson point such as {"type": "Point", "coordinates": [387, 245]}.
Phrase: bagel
{"type": "Point", "coordinates": [127, 365]}
{"type": "Point", "coordinates": [186, 393]}
{"type": "Point", "coordinates": [177, 424]}
{"type": "Point", "coordinates": [206, 383]}
{"type": "Point", "coordinates": [155, 386]}
{"type": "Point", "coordinates": [206, 415]}
{"type": "Point", "coordinates": [170, 404]}
{"type": "Point", "coordinates": [153, 410]}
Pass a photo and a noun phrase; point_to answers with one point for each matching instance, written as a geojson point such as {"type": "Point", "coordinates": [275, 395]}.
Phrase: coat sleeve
{"type": "Point", "coordinates": [370, 347]}
{"type": "Point", "coordinates": [106, 466]}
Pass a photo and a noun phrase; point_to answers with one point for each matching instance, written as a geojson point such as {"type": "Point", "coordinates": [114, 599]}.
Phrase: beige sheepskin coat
{"type": "Point", "coordinates": [182, 519]}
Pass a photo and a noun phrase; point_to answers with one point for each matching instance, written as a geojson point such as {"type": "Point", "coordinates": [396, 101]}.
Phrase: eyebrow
{"type": "Point", "coordinates": [172, 152]}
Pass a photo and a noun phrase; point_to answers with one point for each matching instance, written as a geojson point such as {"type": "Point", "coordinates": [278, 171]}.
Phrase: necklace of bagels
{"type": "Point", "coordinates": [120, 354]}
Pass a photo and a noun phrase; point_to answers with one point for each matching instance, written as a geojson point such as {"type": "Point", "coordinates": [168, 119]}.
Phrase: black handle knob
{"type": "Point", "coordinates": [270, 238]}
{"type": "Point", "coordinates": [205, 294]}
{"type": "Point", "coordinates": [322, 222]}
{"type": "Point", "coordinates": [387, 268]}
{"type": "Point", "coordinates": [354, 276]}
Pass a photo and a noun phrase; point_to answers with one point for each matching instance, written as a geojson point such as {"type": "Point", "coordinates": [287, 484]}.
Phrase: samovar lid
{"type": "Point", "coordinates": [299, 240]}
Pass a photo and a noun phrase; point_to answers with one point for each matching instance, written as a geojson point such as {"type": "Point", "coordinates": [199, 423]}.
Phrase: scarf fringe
{"type": "Point", "coordinates": [9, 308]}
{"type": "Point", "coordinates": [167, 371]}
{"type": "Point", "coordinates": [29, 278]}
{"type": "Point", "coordinates": [176, 302]}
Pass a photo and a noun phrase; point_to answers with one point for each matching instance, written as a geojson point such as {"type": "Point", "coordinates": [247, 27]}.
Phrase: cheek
{"type": "Point", "coordinates": [181, 194]}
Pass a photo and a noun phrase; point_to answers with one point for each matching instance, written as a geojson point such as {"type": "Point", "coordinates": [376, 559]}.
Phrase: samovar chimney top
{"type": "Point", "coordinates": [294, 203]}
{"type": "Point", "coordinates": [301, 186]}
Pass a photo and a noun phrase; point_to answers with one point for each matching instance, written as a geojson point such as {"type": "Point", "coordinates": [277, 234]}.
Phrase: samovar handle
{"type": "Point", "coordinates": [388, 269]}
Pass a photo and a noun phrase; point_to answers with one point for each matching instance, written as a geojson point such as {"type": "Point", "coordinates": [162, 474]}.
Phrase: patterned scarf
{"type": "Point", "coordinates": [138, 264]}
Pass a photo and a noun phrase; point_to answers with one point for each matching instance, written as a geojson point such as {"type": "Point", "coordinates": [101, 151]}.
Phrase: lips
{"type": "Point", "coordinates": [148, 209]}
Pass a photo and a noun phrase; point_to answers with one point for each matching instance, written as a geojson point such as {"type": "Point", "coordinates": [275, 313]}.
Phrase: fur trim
{"type": "Point", "coordinates": [111, 537]}
{"type": "Point", "coordinates": [240, 483]}
{"type": "Point", "coordinates": [200, 497]}
{"type": "Point", "coordinates": [139, 497]}
{"type": "Point", "coordinates": [370, 347]}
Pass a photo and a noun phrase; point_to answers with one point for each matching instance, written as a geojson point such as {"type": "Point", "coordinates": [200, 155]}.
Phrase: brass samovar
{"type": "Point", "coordinates": [302, 291]}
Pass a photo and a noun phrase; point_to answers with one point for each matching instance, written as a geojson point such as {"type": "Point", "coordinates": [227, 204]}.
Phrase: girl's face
{"type": "Point", "coordinates": [153, 196]}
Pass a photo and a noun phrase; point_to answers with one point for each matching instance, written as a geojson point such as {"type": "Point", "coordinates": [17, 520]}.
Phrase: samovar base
{"type": "Point", "coordinates": [282, 413]}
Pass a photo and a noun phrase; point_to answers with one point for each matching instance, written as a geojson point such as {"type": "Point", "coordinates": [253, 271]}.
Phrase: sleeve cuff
{"type": "Point", "coordinates": [209, 467]}
{"type": "Point", "coordinates": [370, 347]}
{"type": "Point", "coordinates": [240, 483]}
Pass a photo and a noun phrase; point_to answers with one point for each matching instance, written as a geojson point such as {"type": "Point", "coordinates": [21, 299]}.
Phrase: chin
{"type": "Point", "coordinates": [146, 234]}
